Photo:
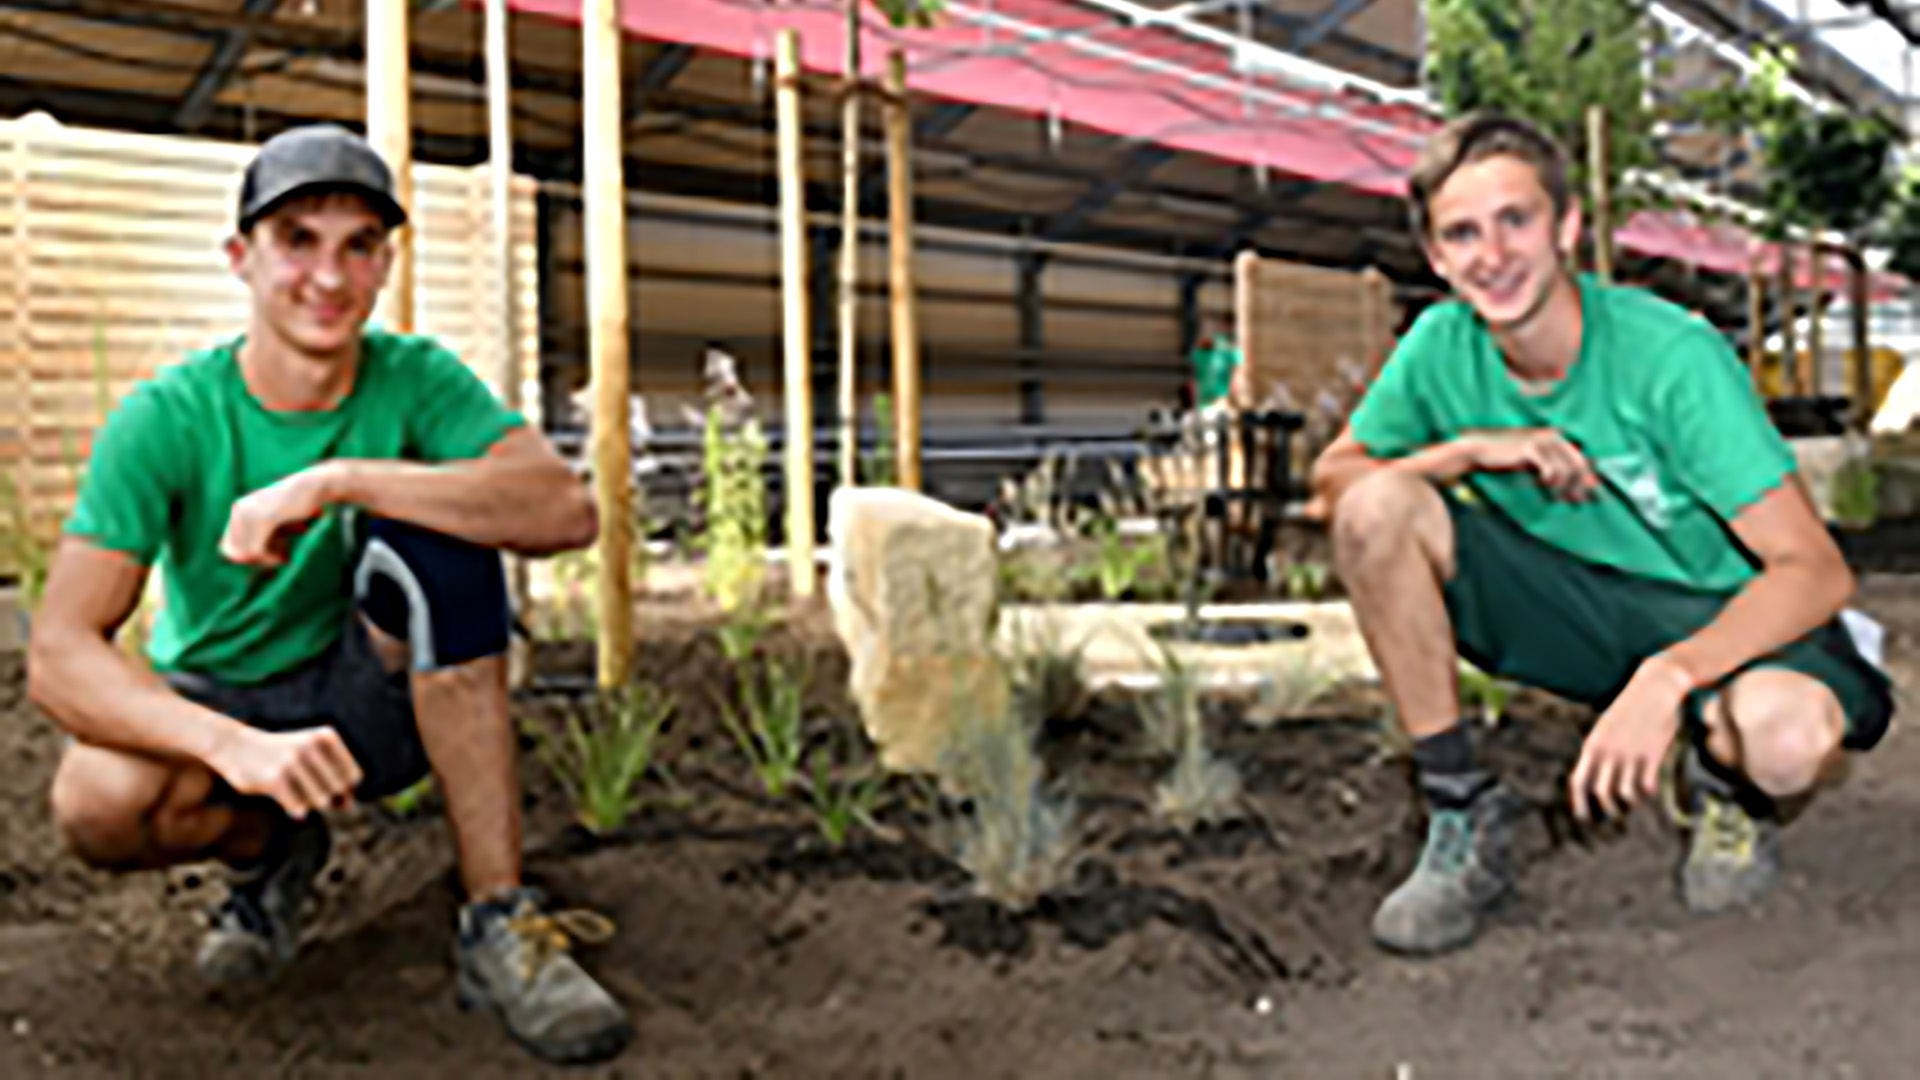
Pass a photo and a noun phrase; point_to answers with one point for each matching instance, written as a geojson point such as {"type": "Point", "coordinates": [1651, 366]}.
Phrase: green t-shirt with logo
{"type": "Point", "coordinates": [182, 447]}
{"type": "Point", "coordinates": [1657, 401]}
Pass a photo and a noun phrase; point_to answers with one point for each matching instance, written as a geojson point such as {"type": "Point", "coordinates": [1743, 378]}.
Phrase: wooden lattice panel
{"type": "Point", "coordinates": [111, 264]}
{"type": "Point", "coordinates": [1299, 326]}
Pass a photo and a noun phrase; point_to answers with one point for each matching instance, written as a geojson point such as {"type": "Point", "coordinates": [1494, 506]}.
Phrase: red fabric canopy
{"type": "Point", "coordinates": [1142, 82]}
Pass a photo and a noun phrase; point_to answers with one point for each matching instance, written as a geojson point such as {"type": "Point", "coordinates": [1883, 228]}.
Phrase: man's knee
{"type": "Point", "coordinates": [1380, 512]}
{"type": "Point", "coordinates": [445, 598]}
{"type": "Point", "coordinates": [104, 805]}
{"type": "Point", "coordinates": [1789, 727]}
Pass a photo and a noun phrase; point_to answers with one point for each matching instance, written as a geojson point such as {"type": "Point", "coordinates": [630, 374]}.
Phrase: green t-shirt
{"type": "Point", "coordinates": [1657, 401]}
{"type": "Point", "coordinates": [1213, 365]}
{"type": "Point", "coordinates": [183, 446]}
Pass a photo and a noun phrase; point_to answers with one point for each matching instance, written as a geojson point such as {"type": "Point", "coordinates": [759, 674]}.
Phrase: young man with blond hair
{"type": "Point", "coordinates": [328, 504]}
{"type": "Point", "coordinates": [1574, 486]}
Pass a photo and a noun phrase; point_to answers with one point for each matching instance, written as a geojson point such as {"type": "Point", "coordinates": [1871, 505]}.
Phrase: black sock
{"type": "Point", "coordinates": [1713, 777]}
{"type": "Point", "coordinates": [1449, 777]}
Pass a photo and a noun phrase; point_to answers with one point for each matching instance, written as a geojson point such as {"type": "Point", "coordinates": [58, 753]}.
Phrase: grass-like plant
{"type": "Point", "coordinates": [603, 750]}
{"type": "Point", "coordinates": [1048, 674]}
{"type": "Point", "coordinates": [1487, 694]}
{"type": "Point", "coordinates": [841, 792]}
{"type": "Point", "coordinates": [1200, 788]}
{"type": "Point", "coordinates": [1294, 684]}
{"type": "Point", "coordinates": [768, 722]}
{"type": "Point", "coordinates": [881, 469]}
{"type": "Point", "coordinates": [1017, 840]}
{"type": "Point", "coordinates": [1306, 580]}
{"type": "Point", "coordinates": [734, 501]}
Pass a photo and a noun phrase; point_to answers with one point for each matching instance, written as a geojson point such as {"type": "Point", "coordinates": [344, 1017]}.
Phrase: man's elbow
{"type": "Point", "coordinates": [47, 648]}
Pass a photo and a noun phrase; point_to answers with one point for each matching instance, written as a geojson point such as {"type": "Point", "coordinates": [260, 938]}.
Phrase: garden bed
{"type": "Point", "coordinates": [749, 946]}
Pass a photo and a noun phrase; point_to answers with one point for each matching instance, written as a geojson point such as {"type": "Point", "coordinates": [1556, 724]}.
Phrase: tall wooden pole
{"type": "Point", "coordinates": [798, 338]}
{"type": "Point", "coordinates": [1860, 298]}
{"type": "Point", "coordinates": [849, 396]}
{"type": "Point", "coordinates": [1599, 173]}
{"type": "Point", "coordinates": [390, 131]}
{"type": "Point", "coordinates": [500, 214]}
{"type": "Point", "coordinates": [1756, 323]}
{"type": "Point", "coordinates": [1816, 318]}
{"type": "Point", "coordinates": [1789, 348]}
{"type": "Point", "coordinates": [905, 301]}
{"type": "Point", "coordinates": [604, 192]}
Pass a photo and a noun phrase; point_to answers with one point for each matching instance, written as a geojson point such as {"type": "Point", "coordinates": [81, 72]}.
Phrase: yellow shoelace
{"type": "Point", "coordinates": [547, 934]}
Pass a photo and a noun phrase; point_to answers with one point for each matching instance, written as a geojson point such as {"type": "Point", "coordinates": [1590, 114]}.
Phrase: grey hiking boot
{"type": "Point", "coordinates": [514, 957]}
{"type": "Point", "coordinates": [1733, 855]}
{"type": "Point", "coordinates": [256, 932]}
{"type": "Point", "coordinates": [1462, 873]}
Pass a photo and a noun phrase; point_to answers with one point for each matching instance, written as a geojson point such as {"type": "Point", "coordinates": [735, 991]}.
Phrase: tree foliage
{"type": "Point", "coordinates": [1547, 61]}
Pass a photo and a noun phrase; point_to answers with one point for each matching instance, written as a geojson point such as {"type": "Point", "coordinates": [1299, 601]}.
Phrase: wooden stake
{"type": "Point", "coordinates": [849, 397]}
{"type": "Point", "coordinates": [798, 338]}
{"type": "Point", "coordinates": [905, 303]}
{"type": "Point", "coordinates": [1600, 169]}
{"type": "Point", "coordinates": [1816, 315]}
{"type": "Point", "coordinates": [1860, 295]}
{"type": "Point", "coordinates": [500, 177]}
{"type": "Point", "coordinates": [1789, 347]}
{"type": "Point", "coordinates": [605, 196]}
{"type": "Point", "coordinates": [1757, 324]}
{"type": "Point", "coordinates": [390, 131]}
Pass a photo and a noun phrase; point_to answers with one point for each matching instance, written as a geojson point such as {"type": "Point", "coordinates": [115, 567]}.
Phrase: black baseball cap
{"type": "Point", "coordinates": [313, 160]}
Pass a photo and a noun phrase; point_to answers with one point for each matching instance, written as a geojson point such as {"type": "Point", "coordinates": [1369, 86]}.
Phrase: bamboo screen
{"type": "Point", "coordinates": [111, 264]}
{"type": "Point", "coordinates": [1299, 326]}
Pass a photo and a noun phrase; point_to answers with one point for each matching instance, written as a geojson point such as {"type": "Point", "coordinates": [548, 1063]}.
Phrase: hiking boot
{"type": "Point", "coordinates": [256, 932]}
{"type": "Point", "coordinates": [1462, 873]}
{"type": "Point", "coordinates": [515, 957]}
{"type": "Point", "coordinates": [1733, 856]}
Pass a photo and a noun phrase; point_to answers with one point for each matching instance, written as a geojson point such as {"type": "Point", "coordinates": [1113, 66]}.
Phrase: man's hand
{"type": "Point", "coordinates": [262, 526]}
{"type": "Point", "coordinates": [1560, 466]}
{"type": "Point", "coordinates": [1621, 759]}
{"type": "Point", "coordinates": [304, 771]}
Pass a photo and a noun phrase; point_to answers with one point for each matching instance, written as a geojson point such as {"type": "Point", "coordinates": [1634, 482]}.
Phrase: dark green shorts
{"type": "Point", "coordinates": [1531, 613]}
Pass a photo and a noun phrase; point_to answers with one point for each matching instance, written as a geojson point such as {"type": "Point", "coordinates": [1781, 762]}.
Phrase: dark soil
{"type": "Point", "coordinates": [749, 948]}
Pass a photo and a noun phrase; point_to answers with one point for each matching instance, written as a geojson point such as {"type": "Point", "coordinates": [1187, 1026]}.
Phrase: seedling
{"type": "Point", "coordinates": [1200, 788]}
{"type": "Point", "coordinates": [879, 468]}
{"type": "Point", "coordinates": [1018, 841]}
{"type": "Point", "coordinates": [841, 793]}
{"type": "Point", "coordinates": [1295, 685]}
{"type": "Point", "coordinates": [1048, 675]}
{"type": "Point", "coordinates": [1485, 693]}
{"type": "Point", "coordinates": [1306, 580]}
{"type": "Point", "coordinates": [735, 503]}
{"type": "Point", "coordinates": [603, 751]}
{"type": "Point", "coordinates": [773, 702]}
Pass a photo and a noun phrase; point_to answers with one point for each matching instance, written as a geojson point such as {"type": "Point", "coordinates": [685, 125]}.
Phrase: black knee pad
{"type": "Point", "coordinates": [446, 598]}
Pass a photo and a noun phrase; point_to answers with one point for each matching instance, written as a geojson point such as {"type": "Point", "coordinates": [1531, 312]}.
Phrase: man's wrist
{"type": "Point", "coordinates": [338, 482]}
{"type": "Point", "coordinates": [1675, 671]}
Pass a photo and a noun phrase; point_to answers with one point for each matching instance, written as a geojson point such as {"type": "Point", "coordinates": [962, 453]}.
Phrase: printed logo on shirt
{"type": "Point", "coordinates": [1637, 479]}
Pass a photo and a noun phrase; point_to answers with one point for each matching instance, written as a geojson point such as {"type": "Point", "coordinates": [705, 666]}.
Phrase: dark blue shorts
{"type": "Point", "coordinates": [447, 599]}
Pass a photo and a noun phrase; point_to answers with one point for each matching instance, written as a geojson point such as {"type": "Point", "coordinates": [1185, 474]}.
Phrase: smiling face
{"type": "Point", "coordinates": [315, 267]}
{"type": "Point", "coordinates": [1493, 234]}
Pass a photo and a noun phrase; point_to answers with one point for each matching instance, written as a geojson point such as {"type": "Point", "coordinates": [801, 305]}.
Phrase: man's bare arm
{"type": "Point", "coordinates": [1345, 462]}
{"type": "Point", "coordinates": [521, 496]}
{"type": "Point", "coordinates": [1804, 581]}
{"type": "Point", "coordinates": [91, 688]}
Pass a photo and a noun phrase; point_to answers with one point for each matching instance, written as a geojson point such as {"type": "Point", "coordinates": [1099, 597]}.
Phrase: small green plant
{"type": "Point", "coordinates": [1855, 497]}
{"type": "Point", "coordinates": [603, 750]}
{"type": "Point", "coordinates": [1049, 676]}
{"type": "Point", "coordinates": [1306, 580]}
{"type": "Point", "coordinates": [768, 723]}
{"type": "Point", "coordinates": [1166, 710]}
{"type": "Point", "coordinates": [1017, 840]}
{"type": "Point", "coordinates": [1485, 693]}
{"type": "Point", "coordinates": [741, 633]}
{"type": "Point", "coordinates": [841, 792]}
{"type": "Point", "coordinates": [1200, 788]}
{"type": "Point", "coordinates": [1296, 684]}
{"type": "Point", "coordinates": [1119, 563]}
{"type": "Point", "coordinates": [734, 501]}
{"type": "Point", "coordinates": [880, 468]}
{"type": "Point", "coordinates": [409, 802]}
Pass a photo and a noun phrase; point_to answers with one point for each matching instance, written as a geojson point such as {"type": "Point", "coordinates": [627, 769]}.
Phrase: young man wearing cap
{"type": "Point", "coordinates": [1575, 486]}
{"type": "Point", "coordinates": [327, 504]}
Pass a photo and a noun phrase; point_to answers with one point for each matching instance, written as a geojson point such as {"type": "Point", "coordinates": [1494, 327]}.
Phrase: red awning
{"type": "Point", "coordinates": [1142, 82]}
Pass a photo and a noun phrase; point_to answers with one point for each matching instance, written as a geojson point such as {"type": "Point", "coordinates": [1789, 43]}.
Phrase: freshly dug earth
{"type": "Point", "coordinates": [748, 949]}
